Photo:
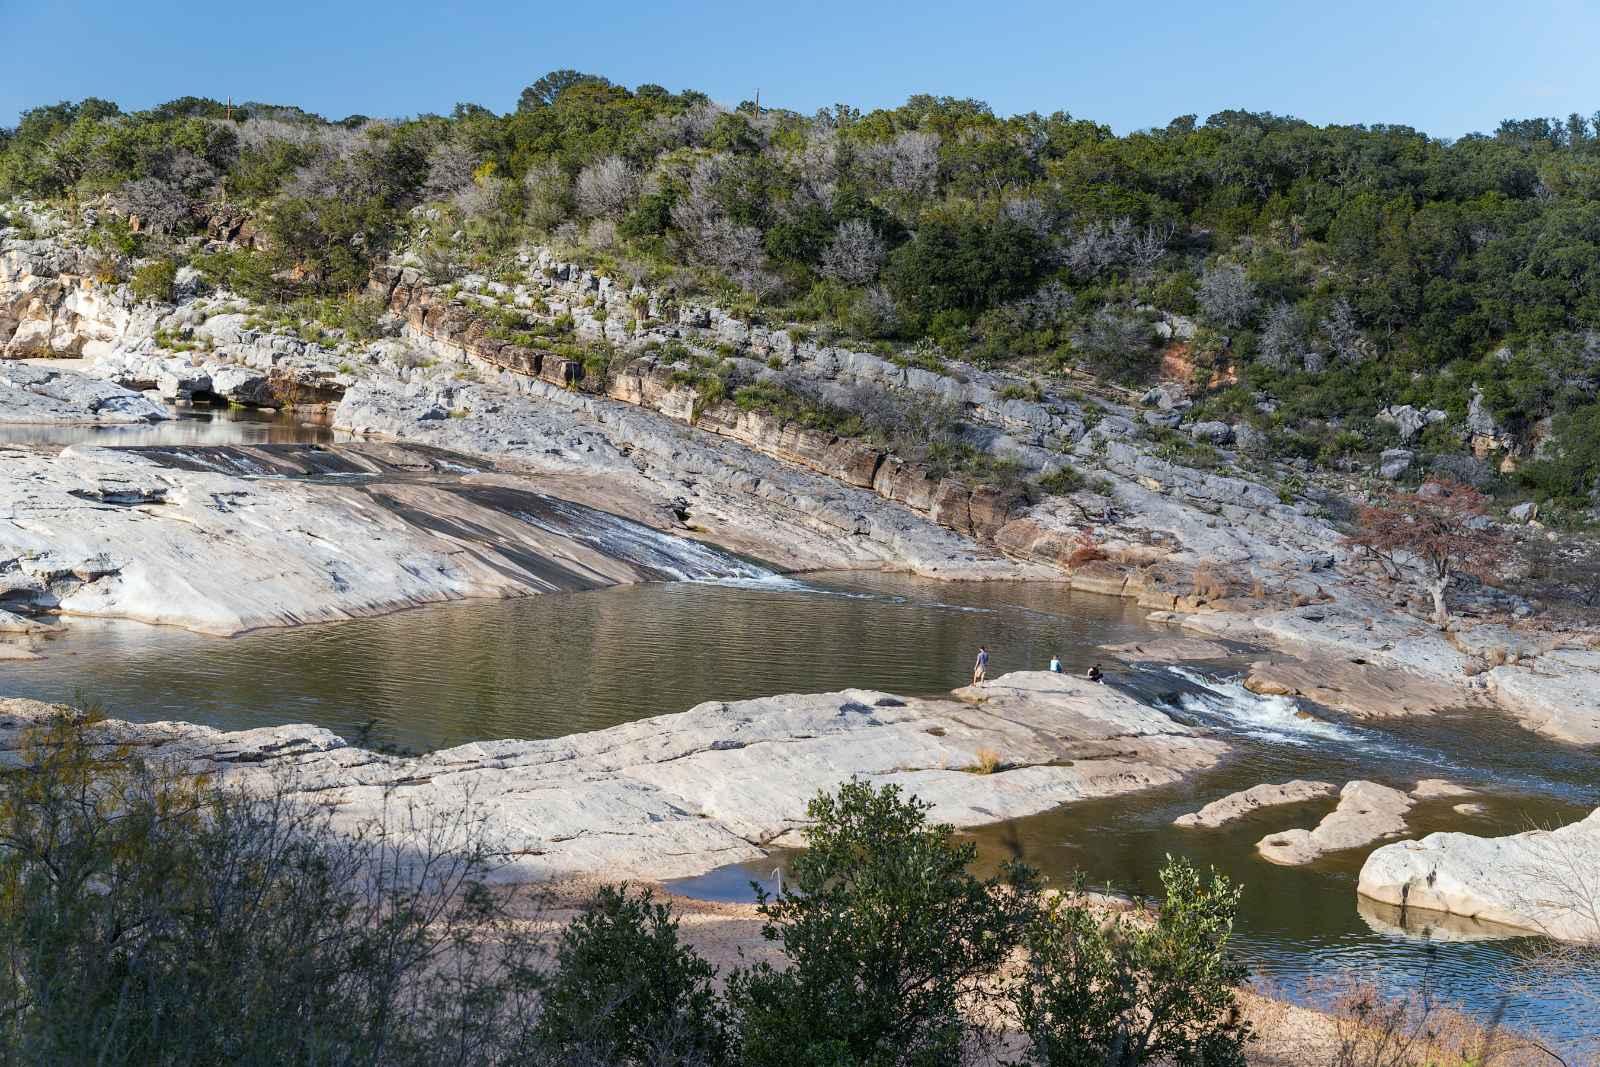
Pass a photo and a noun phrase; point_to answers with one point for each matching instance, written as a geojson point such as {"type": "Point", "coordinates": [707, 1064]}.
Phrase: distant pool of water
{"type": "Point", "coordinates": [190, 426]}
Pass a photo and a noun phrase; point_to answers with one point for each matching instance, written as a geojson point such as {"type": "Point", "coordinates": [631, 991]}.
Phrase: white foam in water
{"type": "Point", "coordinates": [676, 557]}
{"type": "Point", "coordinates": [1274, 717]}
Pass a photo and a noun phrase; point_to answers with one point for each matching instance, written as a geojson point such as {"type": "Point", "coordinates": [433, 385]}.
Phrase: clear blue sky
{"type": "Point", "coordinates": [1445, 67]}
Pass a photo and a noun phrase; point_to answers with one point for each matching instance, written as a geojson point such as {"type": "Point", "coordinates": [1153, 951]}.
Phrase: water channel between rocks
{"type": "Point", "coordinates": [552, 665]}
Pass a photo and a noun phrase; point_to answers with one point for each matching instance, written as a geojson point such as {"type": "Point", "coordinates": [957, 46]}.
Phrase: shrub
{"type": "Point", "coordinates": [1126, 992]}
{"type": "Point", "coordinates": [153, 282]}
{"type": "Point", "coordinates": [148, 917]}
{"type": "Point", "coordinates": [887, 934]}
{"type": "Point", "coordinates": [1061, 481]}
{"type": "Point", "coordinates": [625, 991]}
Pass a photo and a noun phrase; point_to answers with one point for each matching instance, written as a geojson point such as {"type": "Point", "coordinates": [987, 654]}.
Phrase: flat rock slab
{"type": "Point", "coordinates": [1540, 881]}
{"type": "Point", "coordinates": [1556, 695]}
{"type": "Point", "coordinates": [1359, 689]}
{"type": "Point", "coordinates": [225, 540]}
{"type": "Point", "coordinates": [1366, 813]}
{"type": "Point", "coordinates": [677, 795]}
{"type": "Point", "coordinates": [1238, 805]}
{"type": "Point", "coordinates": [1167, 649]}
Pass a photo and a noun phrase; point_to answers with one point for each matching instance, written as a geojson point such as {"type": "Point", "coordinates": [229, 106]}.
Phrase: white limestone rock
{"type": "Point", "coordinates": [1366, 813]}
{"type": "Point", "coordinates": [1238, 805]}
{"type": "Point", "coordinates": [677, 795]}
{"type": "Point", "coordinates": [51, 395]}
{"type": "Point", "coordinates": [1554, 694]}
{"type": "Point", "coordinates": [1531, 881]}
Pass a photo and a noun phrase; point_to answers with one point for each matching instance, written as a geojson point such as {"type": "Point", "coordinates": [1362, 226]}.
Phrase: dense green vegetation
{"type": "Point", "coordinates": [1337, 269]}
{"type": "Point", "coordinates": [149, 917]}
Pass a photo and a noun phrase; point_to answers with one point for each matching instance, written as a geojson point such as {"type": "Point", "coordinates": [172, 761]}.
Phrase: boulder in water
{"type": "Point", "coordinates": [1540, 881]}
{"type": "Point", "coordinates": [1366, 813]}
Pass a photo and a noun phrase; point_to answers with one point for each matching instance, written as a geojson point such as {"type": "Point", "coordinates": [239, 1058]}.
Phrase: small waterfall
{"type": "Point", "coordinates": [1270, 718]}
{"type": "Point", "coordinates": [673, 558]}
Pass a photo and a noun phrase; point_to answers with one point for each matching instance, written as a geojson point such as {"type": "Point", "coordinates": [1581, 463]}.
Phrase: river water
{"type": "Point", "coordinates": [551, 665]}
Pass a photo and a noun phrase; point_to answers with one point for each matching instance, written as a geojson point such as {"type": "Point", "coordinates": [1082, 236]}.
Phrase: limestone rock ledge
{"type": "Point", "coordinates": [678, 795]}
{"type": "Point", "coordinates": [1540, 881]}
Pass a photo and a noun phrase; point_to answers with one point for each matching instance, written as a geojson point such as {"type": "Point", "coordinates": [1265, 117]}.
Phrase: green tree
{"type": "Point", "coordinates": [965, 264]}
{"type": "Point", "coordinates": [626, 992]}
{"type": "Point", "coordinates": [548, 89]}
{"type": "Point", "coordinates": [888, 936]}
{"type": "Point", "coordinates": [1125, 992]}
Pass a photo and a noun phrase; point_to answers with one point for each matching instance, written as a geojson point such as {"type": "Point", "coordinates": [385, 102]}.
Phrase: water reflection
{"type": "Point", "coordinates": [552, 665]}
{"type": "Point", "coordinates": [192, 426]}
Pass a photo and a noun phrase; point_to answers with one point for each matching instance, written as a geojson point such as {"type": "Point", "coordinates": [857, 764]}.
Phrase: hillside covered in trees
{"type": "Point", "coordinates": [1315, 275]}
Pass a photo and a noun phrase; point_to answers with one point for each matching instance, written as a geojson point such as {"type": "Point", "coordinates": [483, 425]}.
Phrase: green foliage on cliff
{"type": "Point", "coordinates": [1339, 268]}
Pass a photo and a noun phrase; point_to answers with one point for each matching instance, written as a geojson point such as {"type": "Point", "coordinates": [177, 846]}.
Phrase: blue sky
{"type": "Point", "coordinates": [1447, 68]}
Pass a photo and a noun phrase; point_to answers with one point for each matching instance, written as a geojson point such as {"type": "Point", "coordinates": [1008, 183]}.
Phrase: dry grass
{"type": "Point", "coordinates": [988, 761]}
{"type": "Point", "coordinates": [1208, 583]}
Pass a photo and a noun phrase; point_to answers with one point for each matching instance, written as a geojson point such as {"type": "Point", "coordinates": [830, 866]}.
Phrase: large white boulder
{"type": "Point", "coordinates": [1541, 881]}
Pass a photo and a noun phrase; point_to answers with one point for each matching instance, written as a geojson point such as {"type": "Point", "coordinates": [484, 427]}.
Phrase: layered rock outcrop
{"type": "Point", "coordinates": [677, 795]}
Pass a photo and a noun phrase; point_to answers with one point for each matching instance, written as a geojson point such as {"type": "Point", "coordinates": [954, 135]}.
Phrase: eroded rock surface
{"type": "Point", "coordinates": [1367, 812]}
{"type": "Point", "coordinates": [1540, 881]}
{"type": "Point", "coordinates": [1238, 805]}
{"type": "Point", "coordinates": [183, 537]}
{"type": "Point", "coordinates": [678, 795]}
{"type": "Point", "coordinates": [48, 395]}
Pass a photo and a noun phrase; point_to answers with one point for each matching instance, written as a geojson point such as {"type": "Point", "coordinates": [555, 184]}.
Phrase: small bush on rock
{"type": "Point", "coordinates": [153, 282]}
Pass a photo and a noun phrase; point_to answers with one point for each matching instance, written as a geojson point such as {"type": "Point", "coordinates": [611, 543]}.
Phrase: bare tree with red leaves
{"type": "Point", "coordinates": [1442, 526]}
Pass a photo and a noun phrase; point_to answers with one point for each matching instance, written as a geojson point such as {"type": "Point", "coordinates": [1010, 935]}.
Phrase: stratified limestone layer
{"type": "Point", "coordinates": [678, 795]}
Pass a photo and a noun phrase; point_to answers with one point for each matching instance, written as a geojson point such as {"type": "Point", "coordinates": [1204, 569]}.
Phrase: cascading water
{"type": "Point", "coordinates": [1266, 717]}
{"type": "Point", "coordinates": [673, 558]}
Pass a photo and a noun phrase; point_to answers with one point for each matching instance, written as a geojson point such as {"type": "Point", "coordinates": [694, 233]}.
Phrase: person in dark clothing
{"type": "Point", "coordinates": [980, 669]}
{"type": "Point", "coordinates": [1096, 674]}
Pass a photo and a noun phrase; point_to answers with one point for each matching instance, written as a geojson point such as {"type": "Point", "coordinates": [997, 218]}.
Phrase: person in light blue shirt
{"type": "Point", "coordinates": [1055, 664]}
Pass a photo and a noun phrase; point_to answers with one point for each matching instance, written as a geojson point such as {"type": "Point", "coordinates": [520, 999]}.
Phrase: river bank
{"type": "Point", "coordinates": [677, 795]}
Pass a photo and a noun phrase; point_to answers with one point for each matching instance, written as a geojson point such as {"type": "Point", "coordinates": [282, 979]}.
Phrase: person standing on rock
{"type": "Point", "coordinates": [981, 668]}
{"type": "Point", "coordinates": [1055, 664]}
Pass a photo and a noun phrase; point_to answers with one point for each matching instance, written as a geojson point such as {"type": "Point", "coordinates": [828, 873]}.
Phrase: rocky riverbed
{"type": "Point", "coordinates": [679, 794]}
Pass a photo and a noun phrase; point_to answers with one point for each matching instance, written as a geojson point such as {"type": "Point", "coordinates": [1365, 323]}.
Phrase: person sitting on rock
{"type": "Point", "coordinates": [1096, 674]}
{"type": "Point", "coordinates": [980, 668]}
{"type": "Point", "coordinates": [1055, 664]}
